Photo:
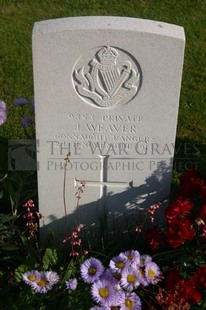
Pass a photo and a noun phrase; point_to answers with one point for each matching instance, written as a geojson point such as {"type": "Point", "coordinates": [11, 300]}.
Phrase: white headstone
{"type": "Point", "coordinates": [107, 90]}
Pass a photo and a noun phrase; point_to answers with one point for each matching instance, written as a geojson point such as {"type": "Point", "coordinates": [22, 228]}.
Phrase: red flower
{"type": "Point", "coordinates": [178, 231]}
{"type": "Point", "coordinates": [179, 208]}
{"type": "Point", "coordinates": [201, 277]}
{"type": "Point", "coordinates": [189, 290]}
{"type": "Point", "coordinates": [191, 184]}
{"type": "Point", "coordinates": [183, 290]}
{"type": "Point", "coordinates": [154, 238]}
{"type": "Point", "coordinates": [29, 204]}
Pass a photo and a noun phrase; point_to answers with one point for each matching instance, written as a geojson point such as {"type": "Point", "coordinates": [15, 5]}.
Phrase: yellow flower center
{"type": "Point", "coordinates": [32, 277]}
{"type": "Point", "coordinates": [103, 292]}
{"type": "Point", "coordinates": [131, 278]}
{"type": "Point", "coordinates": [119, 265]}
{"type": "Point", "coordinates": [129, 303]}
{"type": "Point", "coordinates": [130, 257]}
{"type": "Point", "coordinates": [151, 273]}
{"type": "Point", "coordinates": [42, 282]}
{"type": "Point", "coordinates": [92, 271]}
{"type": "Point", "coordinates": [142, 261]}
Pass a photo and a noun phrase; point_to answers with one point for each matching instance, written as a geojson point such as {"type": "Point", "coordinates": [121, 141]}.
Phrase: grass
{"type": "Point", "coordinates": [18, 16]}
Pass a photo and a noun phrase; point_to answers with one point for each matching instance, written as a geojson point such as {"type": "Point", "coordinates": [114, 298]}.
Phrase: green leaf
{"type": "Point", "coordinates": [67, 275]}
{"type": "Point", "coordinates": [50, 258]}
{"type": "Point", "coordinates": [20, 271]}
{"type": "Point", "coordinates": [70, 271]}
{"type": "Point", "coordinates": [6, 218]}
{"type": "Point", "coordinates": [3, 177]}
{"type": "Point", "coordinates": [10, 247]}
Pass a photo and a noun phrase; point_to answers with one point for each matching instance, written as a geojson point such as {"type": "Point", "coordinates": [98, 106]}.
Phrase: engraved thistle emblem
{"type": "Point", "coordinates": [109, 78]}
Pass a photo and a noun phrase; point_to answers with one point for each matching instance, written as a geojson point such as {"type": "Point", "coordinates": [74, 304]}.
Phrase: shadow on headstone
{"type": "Point", "coordinates": [122, 213]}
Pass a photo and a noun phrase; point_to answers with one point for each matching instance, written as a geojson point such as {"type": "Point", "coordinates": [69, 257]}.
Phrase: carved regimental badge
{"type": "Point", "coordinates": [106, 77]}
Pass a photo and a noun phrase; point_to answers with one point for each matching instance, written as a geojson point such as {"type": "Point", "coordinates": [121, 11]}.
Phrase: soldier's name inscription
{"type": "Point", "coordinates": [103, 128]}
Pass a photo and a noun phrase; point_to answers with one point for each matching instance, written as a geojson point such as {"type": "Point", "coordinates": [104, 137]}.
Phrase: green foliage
{"type": "Point", "coordinates": [20, 271]}
{"type": "Point", "coordinates": [189, 263]}
{"type": "Point", "coordinates": [58, 297]}
{"type": "Point", "coordinates": [50, 258]}
{"type": "Point", "coordinates": [16, 188]}
{"type": "Point", "coordinates": [9, 236]}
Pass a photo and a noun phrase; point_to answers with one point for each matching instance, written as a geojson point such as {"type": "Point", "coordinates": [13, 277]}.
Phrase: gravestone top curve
{"type": "Point", "coordinates": [108, 22]}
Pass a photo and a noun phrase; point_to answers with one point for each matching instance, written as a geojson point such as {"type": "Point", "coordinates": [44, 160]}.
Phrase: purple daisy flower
{"type": "Point", "coordinates": [152, 272]}
{"type": "Point", "coordinates": [131, 302]}
{"type": "Point", "coordinates": [52, 277]}
{"type": "Point", "coordinates": [133, 256]}
{"type": "Point", "coordinates": [20, 101]}
{"type": "Point", "coordinates": [118, 300]}
{"type": "Point", "coordinates": [130, 279]}
{"type": "Point", "coordinates": [91, 270]}
{"type": "Point", "coordinates": [141, 273]}
{"type": "Point", "coordinates": [2, 112]}
{"type": "Point", "coordinates": [104, 293]}
{"type": "Point", "coordinates": [27, 121]}
{"type": "Point", "coordinates": [109, 276]}
{"type": "Point", "coordinates": [42, 285]}
{"type": "Point", "coordinates": [142, 277]}
{"type": "Point", "coordinates": [31, 277]}
{"type": "Point", "coordinates": [2, 106]}
{"type": "Point", "coordinates": [145, 259]}
{"type": "Point", "coordinates": [118, 263]}
{"type": "Point", "coordinates": [71, 284]}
